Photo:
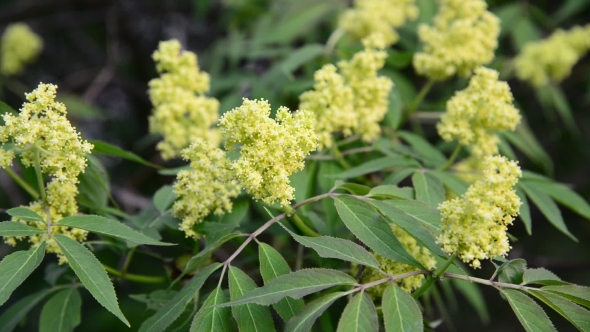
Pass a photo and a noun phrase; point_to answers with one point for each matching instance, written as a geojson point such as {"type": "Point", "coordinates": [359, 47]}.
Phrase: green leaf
{"type": "Point", "coordinates": [531, 315]}
{"type": "Point", "coordinates": [204, 254]}
{"type": "Point", "coordinates": [91, 274]}
{"type": "Point", "coordinates": [398, 176]}
{"type": "Point", "coordinates": [525, 141]}
{"type": "Point", "coordinates": [300, 56]}
{"type": "Point", "coordinates": [548, 207]}
{"type": "Point", "coordinates": [564, 196]}
{"type": "Point", "coordinates": [211, 317]}
{"type": "Point", "coordinates": [163, 198]}
{"type": "Point", "coordinates": [354, 188]}
{"type": "Point", "coordinates": [431, 156]}
{"type": "Point", "coordinates": [391, 192]}
{"type": "Point", "coordinates": [473, 294]}
{"type": "Point", "coordinates": [106, 148]}
{"type": "Point", "coordinates": [451, 181]}
{"type": "Point", "coordinates": [524, 32]}
{"type": "Point", "coordinates": [568, 9]}
{"type": "Point", "coordinates": [11, 228]}
{"type": "Point", "coordinates": [26, 214]}
{"type": "Point", "coordinates": [5, 108]}
{"type": "Point", "coordinates": [540, 276]}
{"type": "Point", "coordinates": [359, 315]}
{"type": "Point", "coordinates": [562, 107]}
{"type": "Point", "coordinates": [61, 313]}
{"type": "Point", "coordinates": [394, 114]}
{"type": "Point", "coordinates": [525, 211]}
{"type": "Point", "coordinates": [429, 189]}
{"type": "Point", "coordinates": [509, 15]}
{"type": "Point", "coordinates": [409, 224]}
{"type": "Point", "coordinates": [16, 267]}
{"type": "Point", "coordinates": [333, 247]}
{"type": "Point", "coordinates": [400, 311]}
{"type": "Point", "coordinates": [296, 285]}
{"type": "Point", "coordinates": [110, 227]}
{"type": "Point", "coordinates": [250, 317]}
{"type": "Point", "coordinates": [578, 316]}
{"type": "Point", "coordinates": [94, 185]}
{"type": "Point", "coordinates": [371, 228]}
{"type": "Point", "coordinates": [428, 215]}
{"type": "Point", "coordinates": [512, 271]}
{"type": "Point", "coordinates": [578, 294]}
{"type": "Point", "coordinates": [174, 308]}
{"type": "Point", "coordinates": [304, 321]}
{"type": "Point", "coordinates": [375, 166]}
{"type": "Point", "coordinates": [14, 315]}
{"type": "Point", "coordinates": [273, 265]}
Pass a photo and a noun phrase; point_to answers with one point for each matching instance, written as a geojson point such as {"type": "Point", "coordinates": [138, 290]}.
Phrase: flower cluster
{"type": "Point", "coordinates": [182, 113]}
{"type": "Point", "coordinates": [19, 46]}
{"type": "Point", "coordinates": [44, 137]}
{"type": "Point", "coordinates": [391, 267]}
{"type": "Point", "coordinates": [463, 37]}
{"type": "Point", "coordinates": [207, 187]}
{"type": "Point", "coordinates": [553, 59]}
{"type": "Point", "coordinates": [378, 16]}
{"type": "Point", "coordinates": [354, 101]}
{"type": "Point", "coordinates": [475, 113]}
{"type": "Point", "coordinates": [270, 150]}
{"type": "Point", "coordinates": [474, 225]}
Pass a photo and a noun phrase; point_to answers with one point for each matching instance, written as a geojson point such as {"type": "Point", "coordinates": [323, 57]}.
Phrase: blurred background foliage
{"type": "Point", "coordinates": [99, 54]}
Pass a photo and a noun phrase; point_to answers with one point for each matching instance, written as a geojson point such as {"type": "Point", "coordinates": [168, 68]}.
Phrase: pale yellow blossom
{"type": "Point", "coordinates": [19, 46]}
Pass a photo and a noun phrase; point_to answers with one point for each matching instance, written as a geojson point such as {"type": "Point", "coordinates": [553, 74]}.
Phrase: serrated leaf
{"type": "Point", "coordinates": [304, 321]}
{"type": "Point", "coordinates": [578, 316]}
{"type": "Point", "coordinates": [16, 267]}
{"type": "Point", "coordinates": [397, 177]}
{"type": "Point", "coordinates": [174, 308]}
{"type": "Point", "coordinates": [25, 214]}
{"type": "Point", "coordinates": [62, 312]}
{"type": "Point", "coordinates": [250, 317]}
{"type": "Point", "coordinates": [578, 294]}
{"type": "Point", "coordinates": [333, 247]}
{"type": "Point", "coordinates": [409, 224]}
{"type": "Point", "coordinates": [525, 211]}
{"type": "Point", "coordinates": [512, 271]}
{"type": "Point", "coordinates": [428, 189]}
{"type": "Point", "coordinates": [400, 311]}
{"type": "Point", "coordinates": [212, 318]}
{"type": "Point", "coordinates": [428, 215]}
{"type": "Point", "coordinates": [272, 265]}
{"type": "Point", "coordinates": [354, 188]}
{"type": "Point", "coordinates": [540, 276]}
{"type": "Point", "coordinates": [163, 198]}
{"type": "Point", "coordinates": [431, 156]}
{"type": "Point", "coordinates": [91, 274]}
{"type": "Point", "coordinates": [12, 228]}
{"type": "Point", "coordinates": [110, 227]}
{"type": "Point", "coordinates": [375, 166]}
{"type": "Point", "coordinates": [451, 181]}
{"type": "Point", "coordinates": [391, 192]}
{"type": "Point", "coordinates": [359, 315]}
{"type": "Point", "coordinates": [548, 208]}
{"type": "Point", "coordinates": [530, 314]}
{"type": "Point", "coordinates": [564, 196]}
{"type": "Point", "coordinates": [13, 315]}
{"type": "Point", "coordinates": [371, 228]}
{"type": "Point", "coordinates": [106, 148]}
{"type": "Point", "coordinates": [296, 285]}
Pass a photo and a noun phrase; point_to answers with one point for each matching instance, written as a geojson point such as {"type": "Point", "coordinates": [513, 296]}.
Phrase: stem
{"type": "Point", "coordinates": [134, 277]}
{"type": "Point", "coordinates": [39, 175]}
{"type": "Point", "coordinates": [348, 140]}
{"type": "Point", "coordinates": [21, 182]}
{"type": "Point", "coordinates": [127, 262]}
{"type": "Point", "coordinates": [452, 158]}
{"type": "Point", "coordinates": [339, 157]}
{"type": "Point", "coordinates": [488, 282]}
{"type": "Point", "coordinates": [302, 226]}
{"type": "Point", "coordinates": [435, 277]}
{"type": "Point", "coordinates": [419, 97]}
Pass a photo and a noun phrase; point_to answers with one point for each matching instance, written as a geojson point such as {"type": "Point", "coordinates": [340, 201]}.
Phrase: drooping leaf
{"type": "Point", "coordinates": [541, 276]}
{"type": "Point", "coordinates": [359, 315]}
{"type": "Point", "coordinates": [13, 315]}
{"type": "Point", "coordinates": [213, 318]}
{"type": "Point", "coordinates": [431, 156]}
{"type": "Point", "coordinates": [428, 215]}
{"type": "Point", "coordinates": [106, 148]}
{"type": "Point", "coordinates": [304, 321]}
{"type": "Point", "coordinates": [400, 311]}
{"type": "Point", "coordinates": [62, 312]}
{"type": "Point", "coordinates": [354, 188]}
{"type": "Point", "coordinates": [375, 166]}
{"type": "Point", "coordinates": [16, 267]}
{"type": "Point", "coordinates": [333, 247]}
{"type": "Point", "coordinates": [110, 227]}
{"type": "Point", "coordinates": [25, 214]}
{"type": "Point", "coordinates": [371, 228]}
{"type": "Point", "coordinates": [564, 196]}
{"type": "Point", "coordinates": [428, 189]}
{"type": "Point", "coordinates": [163, 198]}
{"type": "Point", "coordinates": [525, 211]}
{"type": "Point", "coordinates": [273, 265]}
{"type": "Point", "coordinates": [12, 228]}
{"type": "Point", "coordinates": [91, 274]}
{"type": "Point", "coordinates": [530, 314]}
{"type": "Point", "coordinates": [250, 317]}
{"type": "Point", "coordinates": [512, 271]}
{"type": "Point", "coordinates": [578, 316]}
{"type": "Point", "coordinates": [296, 285]}
{"type": "Point", "coordinates": [174, 308]}
{"type": "Point", "coordinates": [391, 192]}
{"type": "Point", "coordinates": [578, 294]}
{"type": "Point", "coordinates": [398, 176]}
{"type": "Point", "coordinates": [451, 181]}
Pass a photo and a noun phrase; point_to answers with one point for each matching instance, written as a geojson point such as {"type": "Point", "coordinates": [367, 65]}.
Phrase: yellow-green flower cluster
{"type": "Point", "coordinates": [463, 37]}
{"type": "Point", "coordinates": [474, 225]}
{"type": "Point", "coordinates": [207, 187]}
{"type": "Point", "coordinates": [19, 46]}
{"type": "Point", "coordinates": [270, 150]}
{"type": "Point", "coordinates": [182, 113]}
{"type": "Point", "coordinates": [552, 59]}
{"type": "Point", "coordinates": [354, 101]}
{"type": "Point", "coordinates": [421, 254]}
{"type": "Point", "coordinates": [477, 112]}
{"type": "Point", "coordinates": [43, 136]}
{"type": "Point", "coordinates": [378, 16]}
